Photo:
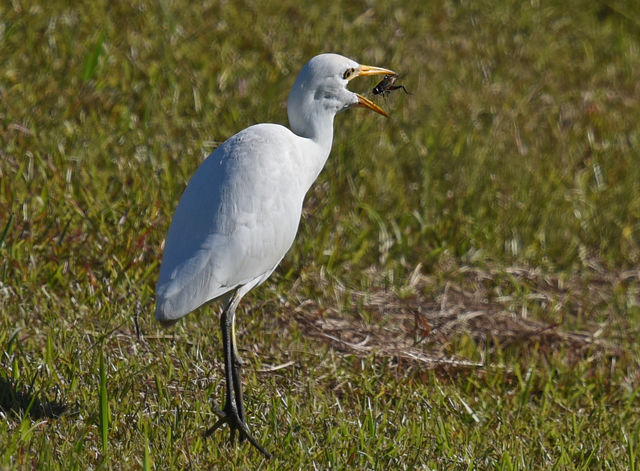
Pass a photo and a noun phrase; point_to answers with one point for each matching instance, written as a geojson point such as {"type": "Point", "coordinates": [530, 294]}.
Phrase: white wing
{"type": "Point", "coordinates": [235, 221]}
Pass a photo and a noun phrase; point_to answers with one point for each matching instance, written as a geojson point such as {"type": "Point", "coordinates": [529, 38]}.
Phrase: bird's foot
{"type": "Point", "coordinates": [230, 417]}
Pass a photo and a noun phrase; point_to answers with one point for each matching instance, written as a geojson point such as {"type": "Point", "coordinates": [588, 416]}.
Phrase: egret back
{"type": "Point", "coordinates": [236, 219]}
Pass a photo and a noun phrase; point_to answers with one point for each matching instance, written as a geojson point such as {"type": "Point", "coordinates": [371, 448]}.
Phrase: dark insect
{"type": "Point", "coordinates": [387, 85]}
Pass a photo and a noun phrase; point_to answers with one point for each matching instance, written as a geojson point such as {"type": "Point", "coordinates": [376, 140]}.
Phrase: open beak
{"type": "Point", "coordinates": [362, 101]}
{"type": "Point", "coordinates": [363, 71]}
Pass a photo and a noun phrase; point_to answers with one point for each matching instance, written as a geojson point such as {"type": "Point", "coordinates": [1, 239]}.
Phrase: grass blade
{"type": "Point", "coordinates": [104, 405]}
{"type": "Point", "coordinates": [91, 62]}
{"type": "Point", "coordinates": [146, 464]}
{"type": "Point", "coordinates": [5, 230]}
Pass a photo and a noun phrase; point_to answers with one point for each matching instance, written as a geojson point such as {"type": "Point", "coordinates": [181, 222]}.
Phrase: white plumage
{"type": "Point", "coordinates": [240, 212]}
{"type": "Point", "coordinates": [236, 219]}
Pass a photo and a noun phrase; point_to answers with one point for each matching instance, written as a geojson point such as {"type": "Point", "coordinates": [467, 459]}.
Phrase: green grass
{"type": "Point", "coordinates": [508, 182]}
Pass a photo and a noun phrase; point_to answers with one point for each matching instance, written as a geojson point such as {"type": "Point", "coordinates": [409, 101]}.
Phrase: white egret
{"type": "Point", "coordinates": [239, 213]}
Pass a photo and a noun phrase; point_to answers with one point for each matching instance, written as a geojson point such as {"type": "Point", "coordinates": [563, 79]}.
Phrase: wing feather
{"type": "Point", "coordinates": [235, 221]}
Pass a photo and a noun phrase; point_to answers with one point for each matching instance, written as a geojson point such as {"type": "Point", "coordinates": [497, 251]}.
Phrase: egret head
{"type": "Point", "coordinates": [320, 91]}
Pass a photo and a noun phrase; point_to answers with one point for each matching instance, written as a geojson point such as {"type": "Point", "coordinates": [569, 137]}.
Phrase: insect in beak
{"type": "Point", "coordinates": [387, 85]}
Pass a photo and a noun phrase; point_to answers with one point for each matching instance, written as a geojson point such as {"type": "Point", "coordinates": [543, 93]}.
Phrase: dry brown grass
{"type": "Point", "coordinates": [420, 322]}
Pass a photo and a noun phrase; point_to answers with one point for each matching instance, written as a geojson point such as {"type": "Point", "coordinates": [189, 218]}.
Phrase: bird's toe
{"type": "Point", "coordinates": [229, 415]}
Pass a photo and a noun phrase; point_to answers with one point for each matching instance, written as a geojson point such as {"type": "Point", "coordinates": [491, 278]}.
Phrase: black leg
{"type": "Point", "coordinates": [237, 379]}
{"type": "Point", "coordinates": [237, 387]}
{"type": "Point", "coordinates": [397, 87]}
{"type": "Point", "coordinates": [233, 412]}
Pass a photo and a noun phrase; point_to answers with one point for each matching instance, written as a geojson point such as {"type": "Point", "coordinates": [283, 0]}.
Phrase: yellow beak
{"type": "Point", "coordinates": [362, 101]}
{"type": "Point", "coordinates": [363, 71]}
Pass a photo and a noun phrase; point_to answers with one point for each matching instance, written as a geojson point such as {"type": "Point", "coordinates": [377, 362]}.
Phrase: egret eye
{"type": "Point", "coordinates": [348, 73]}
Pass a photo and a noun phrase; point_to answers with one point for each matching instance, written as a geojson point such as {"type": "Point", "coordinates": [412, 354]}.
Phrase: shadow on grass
{"type": "Point", "coordinates": [15, 397]}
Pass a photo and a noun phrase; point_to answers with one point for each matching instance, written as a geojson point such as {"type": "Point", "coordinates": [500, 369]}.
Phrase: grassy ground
{"type": "Point", "coordinates": [464, 291]}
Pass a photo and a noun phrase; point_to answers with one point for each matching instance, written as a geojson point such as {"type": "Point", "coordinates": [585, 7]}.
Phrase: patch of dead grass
{"type": "Point", "coordinates": [497, 308]}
